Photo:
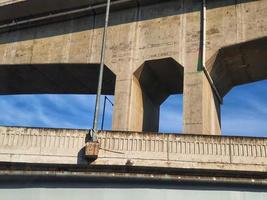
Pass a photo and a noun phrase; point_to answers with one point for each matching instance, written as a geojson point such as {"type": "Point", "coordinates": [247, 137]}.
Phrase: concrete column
{"type": "Point", "coordinates": [144, 112]}
{"type": "Point", "coordinates": [133, 109]}
{"type": "Point", "coordinates": [120, 118]}
{"type": "Point", "coordinates": [138, 99]}
{"type": "Point", "coordinates": [201, 107]}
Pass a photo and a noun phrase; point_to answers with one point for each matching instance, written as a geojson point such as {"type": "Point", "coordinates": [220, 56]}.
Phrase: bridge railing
{"type": "Point", "coordinates": [66, 146]}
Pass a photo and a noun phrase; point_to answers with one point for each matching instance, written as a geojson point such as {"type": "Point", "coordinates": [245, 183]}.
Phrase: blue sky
{"type": "Point", "coordinates": [244, 111]}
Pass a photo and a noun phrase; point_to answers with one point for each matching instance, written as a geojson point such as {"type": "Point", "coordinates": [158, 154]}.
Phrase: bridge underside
{"type": "Point", "coordinates": [239, 64]}
{"type": "Point", "coordinates": [20, 8]}
{"type": "Point", "coordinates": [54, 79]}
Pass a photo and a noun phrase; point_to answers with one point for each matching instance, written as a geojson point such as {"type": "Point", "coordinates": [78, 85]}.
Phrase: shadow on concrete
{"type": "Point", "coordinates": [133, 11]}
{"type": "Point", "coordinates": [81, 159]}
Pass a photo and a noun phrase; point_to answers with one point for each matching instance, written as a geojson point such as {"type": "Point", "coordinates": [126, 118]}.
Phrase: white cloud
{"type": "Point", "coordinates": [243, 113]}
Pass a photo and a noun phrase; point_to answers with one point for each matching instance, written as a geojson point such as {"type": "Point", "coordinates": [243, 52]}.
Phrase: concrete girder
{"type": "Point", "coordinates": [54, 79]}
{"type": "Point", "coordinates": [28, 8]}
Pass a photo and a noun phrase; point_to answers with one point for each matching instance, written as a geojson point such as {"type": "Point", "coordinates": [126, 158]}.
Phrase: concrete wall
{"type": "Point", "coordinates": [59, 146]}
{"type": "Point", "coordinates": [136, 35]}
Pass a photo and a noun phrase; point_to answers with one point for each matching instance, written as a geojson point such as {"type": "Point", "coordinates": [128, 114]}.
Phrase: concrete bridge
{"type": "Point", "coordinates": [154, 49]}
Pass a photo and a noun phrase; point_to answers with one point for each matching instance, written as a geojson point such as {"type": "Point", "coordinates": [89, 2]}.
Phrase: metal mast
{"type": "Point", "coordinates": [100, 79]}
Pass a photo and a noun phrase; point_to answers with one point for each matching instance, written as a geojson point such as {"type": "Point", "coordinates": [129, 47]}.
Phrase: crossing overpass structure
{"type": "Point", "coordinates": [154, 49]}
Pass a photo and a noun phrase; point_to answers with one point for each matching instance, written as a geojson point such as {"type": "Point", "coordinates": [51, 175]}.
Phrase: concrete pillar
{"type": "Point", "coordinates": [138, 99]}
{"type": "Point", "coordinates": [133, 109]}
{"type": "Point", "coordinates": [144, 111]}
{"type": "Point", "coordinates": [120, 118]}
{"type": "Point", "coordinates": [201, 107]}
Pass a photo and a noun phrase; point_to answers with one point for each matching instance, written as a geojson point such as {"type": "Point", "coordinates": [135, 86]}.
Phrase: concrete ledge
{"type": "Point", "coordinates": [41, 145]}
{"type": "Point", "coordinates": [186, 151]}
{"type": "Point", "coordinates": [63, 146]}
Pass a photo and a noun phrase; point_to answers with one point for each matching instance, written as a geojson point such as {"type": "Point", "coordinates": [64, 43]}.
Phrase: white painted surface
{"type": "Point", "coordinates": [125, 194]}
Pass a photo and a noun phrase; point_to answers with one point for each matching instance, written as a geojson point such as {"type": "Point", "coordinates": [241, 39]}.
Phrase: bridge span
{"type": "Point", "coordinates": [154, 49]}
{"type": "Point", "coordinates": [201, 49]}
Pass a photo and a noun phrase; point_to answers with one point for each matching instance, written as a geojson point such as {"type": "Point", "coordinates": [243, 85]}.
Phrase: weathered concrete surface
{"type": "Point", "coordinates": [62, 146]}
{"type": "Point", "coordinates": [42, 145]}
{"type": "Point", "coordinates": [139, 35]}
